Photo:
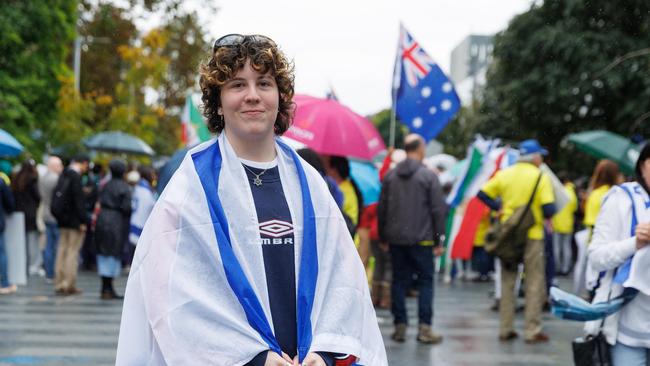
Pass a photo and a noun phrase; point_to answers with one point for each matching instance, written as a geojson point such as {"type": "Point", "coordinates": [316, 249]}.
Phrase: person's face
{"type": "Point", "coordinates": [249, 104]}
{"type": "Point", "coordinates": [645, 172]}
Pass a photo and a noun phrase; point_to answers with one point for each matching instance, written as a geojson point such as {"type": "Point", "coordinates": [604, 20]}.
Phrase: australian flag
{"type": "Point", "coordinates": [425, 99]}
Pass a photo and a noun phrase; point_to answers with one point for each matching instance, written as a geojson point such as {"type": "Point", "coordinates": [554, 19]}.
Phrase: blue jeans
{"type": "Point", "coordinates": [482, 262]}
{"type": "Point", "coordinates": [550, 261]}
{"type": "Point", "coordinates": [623, 355]}
{"type": "Point", "coordinates": [407, 260]}
{"type": "Point", "coordinates": [4, 278]}
{"type": "Point", "coordinates": [51, 244]}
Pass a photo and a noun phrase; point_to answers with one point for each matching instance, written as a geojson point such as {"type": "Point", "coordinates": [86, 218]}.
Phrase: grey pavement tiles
{"type": "Point", "coordinates": [39, 328]}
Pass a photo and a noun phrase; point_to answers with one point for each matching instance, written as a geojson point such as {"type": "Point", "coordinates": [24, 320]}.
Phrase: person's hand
{"type": "Point", "coordinates": [274, 359]}
{"type": "Point", "coordinates": [438, 250]}
{"type": "Point", "coordinates": [642, 232]}
{"type": "Point", "coordinates": [312, 359]}
{"type": "Point", "coordinates": [384, 246]}
{"type": "Point", "coordinates": [548, 223]}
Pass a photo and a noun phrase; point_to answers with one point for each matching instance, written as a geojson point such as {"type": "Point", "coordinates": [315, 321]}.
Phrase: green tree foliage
{"type": "Point", "coordinates": [131, 80]}
{"type": "Point", "coordinates": [567, 66]}
{"type": "Point", "coordinates": [461, 131]}
{"type": "Point", "coordinates": [105, 29]}
{"type": "Point", "coordinates": [185, 49]}
{"type": "Point", "coordinates": [34, 42]}
{"type": "Point", "coordinates": [381, 120]}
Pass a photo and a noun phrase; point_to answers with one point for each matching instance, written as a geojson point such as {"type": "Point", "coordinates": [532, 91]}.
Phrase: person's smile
{"type": "Point", "coordinates": [253, 112]}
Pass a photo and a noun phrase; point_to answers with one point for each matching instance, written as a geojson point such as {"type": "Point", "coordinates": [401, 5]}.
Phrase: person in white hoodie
{"type": "Point", "coordinates": [620, 251]}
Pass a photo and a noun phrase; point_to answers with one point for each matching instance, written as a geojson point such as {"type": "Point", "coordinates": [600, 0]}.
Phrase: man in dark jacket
{"type": "Point", "coordinates": [411, 214]}
{"type": "Point", "coordinates": [72, 225]}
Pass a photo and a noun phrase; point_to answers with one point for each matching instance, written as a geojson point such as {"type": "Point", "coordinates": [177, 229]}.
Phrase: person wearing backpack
{"type": "Point", "coordinates": [69, 210]}
{"type": "Point", "coordinates": [515, 186]}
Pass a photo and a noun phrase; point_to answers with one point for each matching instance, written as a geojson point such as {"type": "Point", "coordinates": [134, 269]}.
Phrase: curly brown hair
{"type": "Point", "coordinates": [226, 61]}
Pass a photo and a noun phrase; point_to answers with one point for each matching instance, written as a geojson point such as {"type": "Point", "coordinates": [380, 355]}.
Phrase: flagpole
{"type": "Point", "coordinates": [396, 75]}
{"type": "Point", "coordinates": [391, 139]}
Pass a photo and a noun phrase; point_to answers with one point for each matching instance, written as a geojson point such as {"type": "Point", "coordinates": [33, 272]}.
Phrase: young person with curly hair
{"type": "Point", "coordinates": [246, 258]}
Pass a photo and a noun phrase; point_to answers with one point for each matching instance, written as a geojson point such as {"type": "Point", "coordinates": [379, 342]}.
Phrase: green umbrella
{"type": "Point", "coordinates": [607, 145]}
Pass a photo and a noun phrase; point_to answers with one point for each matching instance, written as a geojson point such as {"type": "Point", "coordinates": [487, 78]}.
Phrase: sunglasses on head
{"type": "Point", "coordinates": [233, 39]}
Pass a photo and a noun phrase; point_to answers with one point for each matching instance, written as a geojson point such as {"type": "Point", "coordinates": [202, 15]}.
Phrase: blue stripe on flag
{"type": "Point", "coordinates": [208, 168]}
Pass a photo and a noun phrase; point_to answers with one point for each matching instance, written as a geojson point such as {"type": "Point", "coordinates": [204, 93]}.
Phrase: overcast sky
{"type": "Point", "coordinates": [351, 44]}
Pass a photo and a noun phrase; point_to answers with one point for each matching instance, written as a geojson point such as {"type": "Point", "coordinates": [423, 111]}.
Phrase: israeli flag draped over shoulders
{"type": "Point", "coordinates": [425, 99]}
{"type": "Point", "coordinates": [197, 290]}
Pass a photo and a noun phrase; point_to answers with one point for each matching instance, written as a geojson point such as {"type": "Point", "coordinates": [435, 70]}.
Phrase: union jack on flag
{"type": "Point", "coordinates": [427, 101]}
{"type": "Point", "coordinates": [415, 61]}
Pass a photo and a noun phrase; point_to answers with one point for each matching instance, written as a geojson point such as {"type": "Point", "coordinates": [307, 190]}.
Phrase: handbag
{"type": "Point", "coordinates": [591, 350]}
{"type": "Point", "coordinates": [507, 240]}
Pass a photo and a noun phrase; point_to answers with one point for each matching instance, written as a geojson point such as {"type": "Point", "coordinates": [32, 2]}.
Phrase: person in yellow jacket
{"type": "Point", "coordinates": [515, 186]}
{"type": "Point", "coordinates": [563, 223]}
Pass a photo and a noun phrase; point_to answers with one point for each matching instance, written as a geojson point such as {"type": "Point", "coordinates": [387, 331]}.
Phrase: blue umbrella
{"type": "Point", "coordinates": [366, 176]}
{"type": "Point", "coordinates": [9, 146]}
{"type": "Point", "coordinates": [166, 172]}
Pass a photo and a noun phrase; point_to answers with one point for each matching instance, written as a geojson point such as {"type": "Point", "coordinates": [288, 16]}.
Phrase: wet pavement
{"type": "Point", "coordinates": [38, 328]}
{"type": "Point", "coordinates": [463, 317]}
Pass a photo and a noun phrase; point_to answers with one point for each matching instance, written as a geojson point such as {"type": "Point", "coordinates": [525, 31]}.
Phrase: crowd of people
{"type": "Point", "coordinates": [75, 216]}
{"type": "Point", "coordinates": [233, 248]}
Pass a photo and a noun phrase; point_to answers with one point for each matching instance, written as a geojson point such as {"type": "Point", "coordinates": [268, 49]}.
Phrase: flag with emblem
{"type": "Point", "coordinates": [424, 98]}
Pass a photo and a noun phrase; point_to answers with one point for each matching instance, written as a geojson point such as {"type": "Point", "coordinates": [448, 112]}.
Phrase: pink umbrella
{"type": "Point", "coordinates": [330, 128]}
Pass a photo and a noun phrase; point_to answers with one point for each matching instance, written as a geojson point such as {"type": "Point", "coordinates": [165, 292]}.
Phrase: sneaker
{"type": "Point", "coordinates": [399, 335]}
{"type": "Point", "coordinates": [8, 290]}
{"type": "Point", "coordinates": [427, 336]}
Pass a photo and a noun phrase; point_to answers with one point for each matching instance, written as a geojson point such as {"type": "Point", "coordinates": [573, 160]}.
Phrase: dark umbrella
{"type": "Point", "coordinates": [607, 145]}
{"type": "Point", "coordinates": [9, 146]}
{"type": "Point", "coordinates": [166, 172]}
{"type": "Point", "coordinates": [118, 142]}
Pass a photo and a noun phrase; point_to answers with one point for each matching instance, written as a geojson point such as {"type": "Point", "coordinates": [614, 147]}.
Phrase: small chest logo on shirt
{"type": "Point", "coordinates": [276, 228]}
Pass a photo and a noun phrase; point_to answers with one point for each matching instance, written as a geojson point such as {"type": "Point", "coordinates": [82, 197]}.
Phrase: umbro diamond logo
{"type": "Point", "coordinates": [276, 228]}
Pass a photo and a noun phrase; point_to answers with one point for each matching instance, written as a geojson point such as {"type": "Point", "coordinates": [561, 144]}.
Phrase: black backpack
{"type": "Point", "coordinates": [61, 201]}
